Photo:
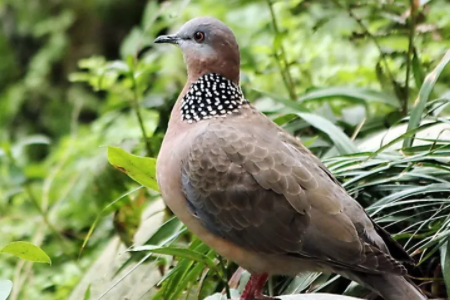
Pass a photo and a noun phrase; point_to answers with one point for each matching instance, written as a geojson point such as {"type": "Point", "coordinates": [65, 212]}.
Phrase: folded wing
{"type": "Point", "coordinates": [258, 191]}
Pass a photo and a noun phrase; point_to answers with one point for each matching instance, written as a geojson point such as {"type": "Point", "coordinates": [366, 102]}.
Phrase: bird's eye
{"type": "Point", "coordinates": [199, 36]}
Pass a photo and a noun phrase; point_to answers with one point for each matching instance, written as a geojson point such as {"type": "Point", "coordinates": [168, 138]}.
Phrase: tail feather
{"type": "Point", "coordinates": [390, 287]}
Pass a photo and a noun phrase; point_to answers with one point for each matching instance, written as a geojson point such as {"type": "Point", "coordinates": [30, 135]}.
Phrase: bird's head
{"type": "Point", "coordinates": [208, 46]}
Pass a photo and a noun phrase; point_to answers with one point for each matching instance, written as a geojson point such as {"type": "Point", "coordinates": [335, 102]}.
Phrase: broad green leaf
{"type": "Point", "coordinates": [424, 96]}
{"type": "Point", "coordinates": [27, 251]}
{"type": "Point", "coordinates": [340, 140]}
{"type": "Point", "coordinates": [5, 289]}
{"type": "Point", "coordinates": [359, 95]}
{"type": "Point", "coordinates": [140, 169]}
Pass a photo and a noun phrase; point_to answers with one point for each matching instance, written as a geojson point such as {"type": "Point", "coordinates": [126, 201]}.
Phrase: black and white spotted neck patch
{"type": "Point", "coordinates": [212, 95]}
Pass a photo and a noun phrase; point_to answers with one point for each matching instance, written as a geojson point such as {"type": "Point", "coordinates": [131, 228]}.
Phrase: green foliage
{"type": "Point", "coordinates": [347, 77]}
{"type": "Point", "coordinates": [26, 251]}
{"type": "Point", "coordinates": [141, 169]}
{"type": "Point", "coordinates": [340, 140]}
{"type": "Point", "coordinates": [424, 96]}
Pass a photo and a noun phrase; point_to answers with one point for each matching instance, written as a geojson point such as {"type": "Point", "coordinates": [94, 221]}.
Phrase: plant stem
{"type": "Point", "coordinates": [45, 218]}
{"type": "Point", "coordinates": [370, 35]}
{"type": "Point", "coordinates": [225, 272]}
{"type": "Point", "coordinates": [135, 102]}
{"type": "Point", "coordinates": [412, 24]}
{"type": "Point", "coordinates": [358, 129]}
{"type": "Point", "coordinates": [285, 73]}
{"type": "Point", "coordinates": [35, 202]}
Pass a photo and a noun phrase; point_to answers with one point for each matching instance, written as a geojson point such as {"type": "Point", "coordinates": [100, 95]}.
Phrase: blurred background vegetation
{"type": "Point", "coordinates": [348, 77]}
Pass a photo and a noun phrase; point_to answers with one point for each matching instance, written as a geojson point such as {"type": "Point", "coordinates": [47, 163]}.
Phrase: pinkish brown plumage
{"type": "Point", "coordinates": [253, 192]}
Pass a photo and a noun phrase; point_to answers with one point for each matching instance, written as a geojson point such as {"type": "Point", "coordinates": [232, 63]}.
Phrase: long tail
{"type": "Point", "coordinates": [390, 287]}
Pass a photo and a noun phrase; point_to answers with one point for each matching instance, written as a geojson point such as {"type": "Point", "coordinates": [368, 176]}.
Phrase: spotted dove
{"type": "Point", "coordinates": [252, 191]}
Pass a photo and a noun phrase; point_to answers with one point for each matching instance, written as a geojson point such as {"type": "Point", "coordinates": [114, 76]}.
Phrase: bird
{"type": "Point", "coordinates": [252, 191]}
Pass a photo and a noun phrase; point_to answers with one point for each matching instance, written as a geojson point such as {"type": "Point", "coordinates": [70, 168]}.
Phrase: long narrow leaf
{"type": "Point", "coordinates": [424, 96]}
{"type": "Point", "coordinates": [181, 252]}
{"type": "Point", "coordinates": [340, 140]}
{"type": "Point", "coordinates": [445, 263]}
{"type": "Point", "coordinates": [358, 95]}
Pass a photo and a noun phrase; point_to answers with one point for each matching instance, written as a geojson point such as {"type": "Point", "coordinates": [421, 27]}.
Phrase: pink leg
{"type": "Point", "coordinates": [253, 289]}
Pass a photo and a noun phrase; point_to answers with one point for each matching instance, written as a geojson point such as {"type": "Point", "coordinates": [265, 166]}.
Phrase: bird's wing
{"type": "Point", "coordinates": [367, 229]}
{"type": "Point", "coordinates": [253, 189]}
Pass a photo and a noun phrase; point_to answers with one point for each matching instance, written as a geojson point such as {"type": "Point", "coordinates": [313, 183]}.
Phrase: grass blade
{"type": "Point", "coordinates": [180, 252]}
{"type": "Point", "coordinates": [342, 142]}
{"type": "Point", "coordinates": [445, 264]}
{"type": "Point", "coordinates": [358, 95]}
{"type": "Point", "coordinates": [424, 96]}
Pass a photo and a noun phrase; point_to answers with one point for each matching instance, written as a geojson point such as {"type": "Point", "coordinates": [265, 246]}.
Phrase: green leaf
{"type": "Point", "coordinates": [87, 294]}
{"type": "Point", "coordinates": [445, 264]}
{"type": "Point", "coordinates": [358, 95]}
{"type": "Point", "coordinates": [114, 205]}
{"type": "Point", "coordinates": [27, 251]}
{"type": "Point", "coordinates": [419, 76]}
{"type": "Point", "coordinates": [296, 106]}
{"type": "Point", "coordinates": [118, 66]}
{"type": "Point", "coordinates": [383, 79]}
{"type": "Point", "coordinates": [186, 271]}
{"type": "Point", "coordinates": [190, 276]}
{"type": "Point", "coordinates": [151, 13]}
{"type": "Point", "coordinates": [5, 289]}
{"type": "Point", "coordinates": [165, 232]}
{"type": "Point", "coordinates": [424, 95]}
{"type": "Point", "coordinates": [342, 142]}
{"type": "Point", "coordinates": [140, 169]}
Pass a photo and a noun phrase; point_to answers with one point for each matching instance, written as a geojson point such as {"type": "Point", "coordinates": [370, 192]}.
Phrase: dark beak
{"type": "Point", "coordinates": [167, 39]}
